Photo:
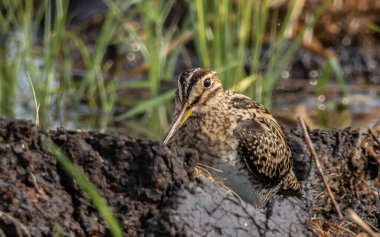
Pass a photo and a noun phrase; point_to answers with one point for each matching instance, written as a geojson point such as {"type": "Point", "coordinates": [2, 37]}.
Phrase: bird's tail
{"type": "Point", "coordinates": [290, 185]}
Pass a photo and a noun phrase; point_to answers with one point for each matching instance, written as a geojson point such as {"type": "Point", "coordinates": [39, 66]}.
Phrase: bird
{"type": "Point", "coordinates": [235, 136]}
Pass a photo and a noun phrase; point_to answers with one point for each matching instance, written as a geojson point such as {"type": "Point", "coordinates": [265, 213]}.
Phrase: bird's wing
{"type": "Point", "coordinates": [263, 149]}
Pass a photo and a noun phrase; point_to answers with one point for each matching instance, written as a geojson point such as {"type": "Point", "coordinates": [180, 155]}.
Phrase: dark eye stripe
{"type": "Point", "coordinates": [210, 95]}
{"type": "Point", "coordinates": [198, 75]}
{"type": "Point", "coordinates": [193, 80]}
{"type": "Point", "coordinates": [183, 82]}
{"type": "Point", "coordinates": [196, 101]}
{"type": "Point", "coordinates": [178, 97]}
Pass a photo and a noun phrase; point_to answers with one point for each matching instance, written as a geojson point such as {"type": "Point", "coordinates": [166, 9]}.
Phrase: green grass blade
{"type": "Point", "coordinates": [85, 184]}
{"type": "Point", "coordinates": [324, 79]}
{"type": "Point", "coordinates": [374, 27]}
{"type": "Point", "coordinates": [147, 105]}
{"type": "Point", "coordinates": [201, 31]}
{"type": "Point", "coordinates": [335, 65]}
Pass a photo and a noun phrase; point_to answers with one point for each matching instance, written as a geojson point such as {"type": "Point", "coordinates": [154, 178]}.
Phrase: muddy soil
{"type": "Point", "coordinates": [154, 190]}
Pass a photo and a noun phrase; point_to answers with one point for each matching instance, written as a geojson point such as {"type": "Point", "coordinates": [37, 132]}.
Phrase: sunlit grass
{"type": "Point", "coordinates": [49, 65]}
{"type": "Point", "coordinates": [8, 69]}
{"type": "Point", "coordinates": [229, 37]}
{"type": "Point", "coordinates": [221, 30]}
{"type": "Point", "coordinates": [226, 30]}
{"type": "Point", "coordinates": [374, 27]}
{"type": "Point", "coordinates": [7, 84]}
{"type": "Point", "coordinates": [160, 46]}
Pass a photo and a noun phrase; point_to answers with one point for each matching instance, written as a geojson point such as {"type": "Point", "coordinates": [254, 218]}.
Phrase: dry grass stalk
{"type": "Point", "coordinates": [16, 222]}
{"type": "Point", "coordinates": [374, 136]}
{"type": "Point", "coordinates": [364, 226]}
{"type": "Point", "coordinates": [318, 165]}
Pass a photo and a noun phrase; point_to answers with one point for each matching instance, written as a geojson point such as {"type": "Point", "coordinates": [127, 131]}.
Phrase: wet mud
{"type": "Point", "coordinates": [154, 190]}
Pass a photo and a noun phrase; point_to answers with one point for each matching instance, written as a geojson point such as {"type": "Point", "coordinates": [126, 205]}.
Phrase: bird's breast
{"type": "Point", "coordinates": [214, 137]}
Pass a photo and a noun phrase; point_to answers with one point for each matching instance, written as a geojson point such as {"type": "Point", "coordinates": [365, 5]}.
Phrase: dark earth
{"type": "Point", "coordinates": [154, 189]}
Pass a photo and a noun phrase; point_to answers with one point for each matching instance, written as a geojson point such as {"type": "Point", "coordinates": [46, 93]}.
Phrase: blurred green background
{"type": "Point", "coordinates": [112, 65]}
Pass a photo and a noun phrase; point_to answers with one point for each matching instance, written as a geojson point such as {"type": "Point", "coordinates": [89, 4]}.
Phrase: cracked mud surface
{"type": "Point", "coordinates": [153, 191]}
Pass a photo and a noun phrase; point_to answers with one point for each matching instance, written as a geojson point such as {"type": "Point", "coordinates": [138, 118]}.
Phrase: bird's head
{"type": "Point", "coordinates": [196, 87]}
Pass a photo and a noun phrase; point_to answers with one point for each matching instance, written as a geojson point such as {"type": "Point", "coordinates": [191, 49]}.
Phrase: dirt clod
{"type": "Point", "coordinates": [152, 188]}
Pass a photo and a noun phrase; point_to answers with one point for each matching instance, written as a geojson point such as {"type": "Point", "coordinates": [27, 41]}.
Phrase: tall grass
{"type": "Point", "coordinates": [40, 76]}
{"type": "Point", "coordinates": [221, 36]}
{"type": "Point", "coordinates": [229, 36]}
{"type": "Point", "coordinates": [160, 56]}
{"type": "Point", "coordinates": [8, 69]}
{"type": "Point", "coordinates": [7, 87]}
{"type": "Point", "coordinates": [225, 30]}
{"type": "Point", "coordinates": [50, 65]}
{"type": "Point", "coordinates": [330, 67]}
{"type": "Point", "coordinates": [21, 21]}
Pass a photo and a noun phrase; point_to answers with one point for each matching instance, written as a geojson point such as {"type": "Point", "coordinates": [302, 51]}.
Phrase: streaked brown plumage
{"type": "Point", "coordinates": [234, 134]}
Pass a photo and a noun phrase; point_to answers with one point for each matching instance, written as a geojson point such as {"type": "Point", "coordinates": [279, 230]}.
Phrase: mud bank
{"type": "Point", "coordinates": [154, 190]}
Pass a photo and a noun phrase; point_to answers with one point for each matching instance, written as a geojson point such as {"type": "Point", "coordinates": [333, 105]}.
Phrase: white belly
{"type": "Point", "coordinates": [237, 180]}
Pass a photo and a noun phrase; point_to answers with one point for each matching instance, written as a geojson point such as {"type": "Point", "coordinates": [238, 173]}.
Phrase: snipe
{"type": "Point", "coordinates": [234, 134]}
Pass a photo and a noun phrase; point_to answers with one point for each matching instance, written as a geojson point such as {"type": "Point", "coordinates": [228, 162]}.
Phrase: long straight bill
{"type": "Point", "coordinates": [181, 119]}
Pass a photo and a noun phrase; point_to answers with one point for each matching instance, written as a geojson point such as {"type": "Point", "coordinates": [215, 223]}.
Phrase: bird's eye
{"type": "Point", "coordinates": [207, 82]}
